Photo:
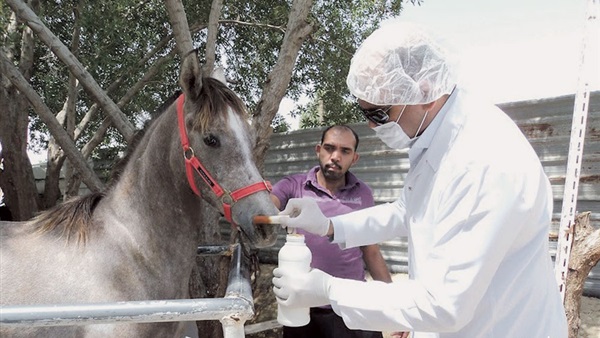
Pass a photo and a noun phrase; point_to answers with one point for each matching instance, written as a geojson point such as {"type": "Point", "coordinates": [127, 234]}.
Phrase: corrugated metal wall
{"type": "Point", "coordinates": [546, 122]}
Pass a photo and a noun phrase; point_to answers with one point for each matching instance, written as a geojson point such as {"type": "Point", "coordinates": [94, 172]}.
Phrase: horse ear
{"type": "Point", "coordinates": [219, 74]}
{"type": "Point", "coordinates": [190, 77]}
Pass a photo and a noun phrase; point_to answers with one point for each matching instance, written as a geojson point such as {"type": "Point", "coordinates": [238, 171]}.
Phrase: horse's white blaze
{"type": "Point", "coordinates": [237, 126]}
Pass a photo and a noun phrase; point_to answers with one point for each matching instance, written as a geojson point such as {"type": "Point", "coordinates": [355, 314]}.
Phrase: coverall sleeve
{"type": "Point", "coordinates": [477, 217]}
{"type": "Point", "coordinates": [370, 226]}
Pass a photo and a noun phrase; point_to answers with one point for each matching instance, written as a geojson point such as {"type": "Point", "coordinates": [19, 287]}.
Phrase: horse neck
{"type": "Point", "coordinates": [158, 208]}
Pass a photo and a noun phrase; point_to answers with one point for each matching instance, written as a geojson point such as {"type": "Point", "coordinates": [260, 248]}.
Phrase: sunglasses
{"type": "Point", "coordinates": [378, 116]}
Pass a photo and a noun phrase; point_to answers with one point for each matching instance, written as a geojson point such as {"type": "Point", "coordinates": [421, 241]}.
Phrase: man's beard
{"type": "Point", "coordinates": [332, 175]}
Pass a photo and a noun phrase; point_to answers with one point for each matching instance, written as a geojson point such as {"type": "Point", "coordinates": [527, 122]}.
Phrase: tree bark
{"type": "Point", "coordinates": [276, 84]}
{"type": "Point", "coordinates": [75, 67]}
{"type": "Point", "coordinates": [16, 175]}
{"type": "Point", "coordinates": [211, 37]}
{"type": "Point", "coordinates": [180, 26]}
{"type": "Point", "coordinates": [71, 176]}
{"type": "Point", "coordinates": [585, 254]}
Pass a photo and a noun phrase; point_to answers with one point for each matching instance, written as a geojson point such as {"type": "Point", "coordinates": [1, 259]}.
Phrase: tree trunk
{"type": "Point", "coordinates": [99, 134]}
{"type": "Point", "coordinates": [585, 254]}
{"type": "Point", "coordinates": [16, 175]}
{"type": "Point", "coordinates": [54, 162]}
{"type": "Point", "coordinates": [297, 30]}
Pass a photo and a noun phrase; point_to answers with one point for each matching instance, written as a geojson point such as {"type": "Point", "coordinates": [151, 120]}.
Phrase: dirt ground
{"type": "Point", "coordinates": [266, 308]}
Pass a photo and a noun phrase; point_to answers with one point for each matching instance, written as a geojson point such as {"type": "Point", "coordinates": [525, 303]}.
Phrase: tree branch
{"type": "Point", "coordinates": [181, 29]}
{"type": "Point", "coordinates": [211, 37]}
{"type": "Point", "coordinates": [278, 80]}
{"type": "Point", "coordinates": [98, 136]}
{"type": "Point", "coordinates": [62, 138]}
{"type": "Point", "coordinates": [252, 24]}
{"type": "Point", "coordinates": [76, 68]}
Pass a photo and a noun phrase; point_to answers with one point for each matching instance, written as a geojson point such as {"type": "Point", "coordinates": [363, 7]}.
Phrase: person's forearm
{"type": "Point", "coordinates": [375, 263]}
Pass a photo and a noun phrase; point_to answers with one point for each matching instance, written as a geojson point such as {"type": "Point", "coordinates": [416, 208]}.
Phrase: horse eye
{"type": "Point", "coordinates": [212, 141]}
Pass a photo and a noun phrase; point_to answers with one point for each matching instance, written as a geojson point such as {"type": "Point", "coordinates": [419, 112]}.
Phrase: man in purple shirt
{"type": "Point", "coordinates": [337, 191]}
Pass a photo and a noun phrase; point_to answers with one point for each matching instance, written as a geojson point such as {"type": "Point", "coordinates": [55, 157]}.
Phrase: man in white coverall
{"type": "Point", "coordinates": [476, 207]}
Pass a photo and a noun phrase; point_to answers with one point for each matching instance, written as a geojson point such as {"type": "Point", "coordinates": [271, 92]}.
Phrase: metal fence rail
{"type": "Point", "coordinates": [232, 311]}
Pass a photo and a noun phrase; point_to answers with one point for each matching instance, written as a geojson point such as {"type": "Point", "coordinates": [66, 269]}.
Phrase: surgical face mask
{"type": "Point", "coordinates": [394, 136]}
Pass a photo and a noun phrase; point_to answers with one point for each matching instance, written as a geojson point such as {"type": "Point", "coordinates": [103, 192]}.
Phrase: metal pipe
{"type": "Point", "coordinates": [133, 312]}
{"type": "Point", "coordinates": [238, 284]}
{"type": "Point", "coordinates": [233, 310]}
{"type": "Point", "coordinates": [209, 250]}
{"type": "Point", "coordinates": [233, 328]}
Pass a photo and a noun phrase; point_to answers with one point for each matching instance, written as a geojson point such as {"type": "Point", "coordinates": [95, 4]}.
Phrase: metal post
{"type": "Point", "coordinates": [575, 156]}
{"type": "Point", "coordinates": [238, 287]}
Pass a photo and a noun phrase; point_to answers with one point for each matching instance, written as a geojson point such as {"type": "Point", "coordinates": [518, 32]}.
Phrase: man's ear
{"type": "Point", "coordinates": [356, 157]}
{"type": "Point", "coordinates": [318, 149]}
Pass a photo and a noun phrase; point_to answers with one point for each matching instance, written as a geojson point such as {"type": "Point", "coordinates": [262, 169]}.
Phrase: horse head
{"type": "Point", "coordinates": [219, 159]}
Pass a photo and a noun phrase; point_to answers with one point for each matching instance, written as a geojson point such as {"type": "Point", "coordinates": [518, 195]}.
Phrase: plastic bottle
{"type": "Point", "coordinates": [294, 256]}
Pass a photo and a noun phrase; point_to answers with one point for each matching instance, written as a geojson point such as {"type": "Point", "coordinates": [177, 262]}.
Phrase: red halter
{"type": "Point", "coordinates": [192, 163]}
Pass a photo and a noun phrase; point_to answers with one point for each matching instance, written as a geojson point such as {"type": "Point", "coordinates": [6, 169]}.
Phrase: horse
{"type": "Point", "coordinates": [138, 239]}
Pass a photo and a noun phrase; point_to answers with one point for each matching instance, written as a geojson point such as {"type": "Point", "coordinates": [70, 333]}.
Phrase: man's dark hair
{"type": "Point", "coordinates": [340, 127]}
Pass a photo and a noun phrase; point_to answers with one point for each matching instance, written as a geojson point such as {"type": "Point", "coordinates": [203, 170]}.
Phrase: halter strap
{"type": "Point", "coordinates": [192, 163]}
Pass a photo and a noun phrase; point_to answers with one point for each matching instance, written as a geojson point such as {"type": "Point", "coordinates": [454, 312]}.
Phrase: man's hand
{"type": "Point", "coordinates": [305, 214]}
{"type": "Point", "coordinates": [301, 290]}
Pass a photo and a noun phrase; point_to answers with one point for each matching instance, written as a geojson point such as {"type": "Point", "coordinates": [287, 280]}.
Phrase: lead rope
{"type": "Point", "coordinates": [575, 156]}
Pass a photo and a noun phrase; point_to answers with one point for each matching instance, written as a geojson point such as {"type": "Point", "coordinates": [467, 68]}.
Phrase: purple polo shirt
{"type": "Point", "coordinates": [355, 195]}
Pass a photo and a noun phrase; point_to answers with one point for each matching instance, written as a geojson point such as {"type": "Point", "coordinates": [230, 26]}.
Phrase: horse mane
{"type": "Point", "coordinates": [121, 163]}
{"type": "Point", "coordinates": [69, 219]}
{"type": "Point", "coordinates": [215, 96]}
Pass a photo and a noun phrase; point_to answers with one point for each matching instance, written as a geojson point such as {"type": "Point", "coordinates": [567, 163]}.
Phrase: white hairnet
{"type": "Point", "coordinates": [399, 64]}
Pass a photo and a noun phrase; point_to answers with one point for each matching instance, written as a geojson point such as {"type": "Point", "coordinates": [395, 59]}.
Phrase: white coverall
{"type": "Point", "coordinates": [476, 207]}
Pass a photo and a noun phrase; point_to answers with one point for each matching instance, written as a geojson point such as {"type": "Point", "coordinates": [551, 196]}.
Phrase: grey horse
{"type": "Point", "coordinates": [138, 239]}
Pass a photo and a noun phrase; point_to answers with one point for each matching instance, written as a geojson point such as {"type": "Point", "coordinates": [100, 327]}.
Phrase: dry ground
{"type": "Point", "coordinates": [266, 308]}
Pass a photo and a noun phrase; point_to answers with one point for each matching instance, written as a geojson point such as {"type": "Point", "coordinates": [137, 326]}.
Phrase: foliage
{"type": "Point", "coordinates": [323, 62]}
{"type": "Point", "coordinates": [116, 34]}
{"type": "Point", "coordinates": [323, 65]}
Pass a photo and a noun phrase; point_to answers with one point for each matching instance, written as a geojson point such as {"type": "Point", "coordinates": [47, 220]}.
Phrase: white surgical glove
{"type": "Point", "coordinates": [301, 290]}
{"type": "Point", "coordinates": [305, 214]}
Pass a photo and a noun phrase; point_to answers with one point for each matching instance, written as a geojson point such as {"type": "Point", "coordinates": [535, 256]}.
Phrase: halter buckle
{"type": "Point", "coordinates": [188, 153]}
{"type": "Point", "coordinates": [227, 199]}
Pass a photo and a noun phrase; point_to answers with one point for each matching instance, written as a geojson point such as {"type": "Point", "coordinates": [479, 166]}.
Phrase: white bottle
{"type": "Point", "coordinates": [295, 257]}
